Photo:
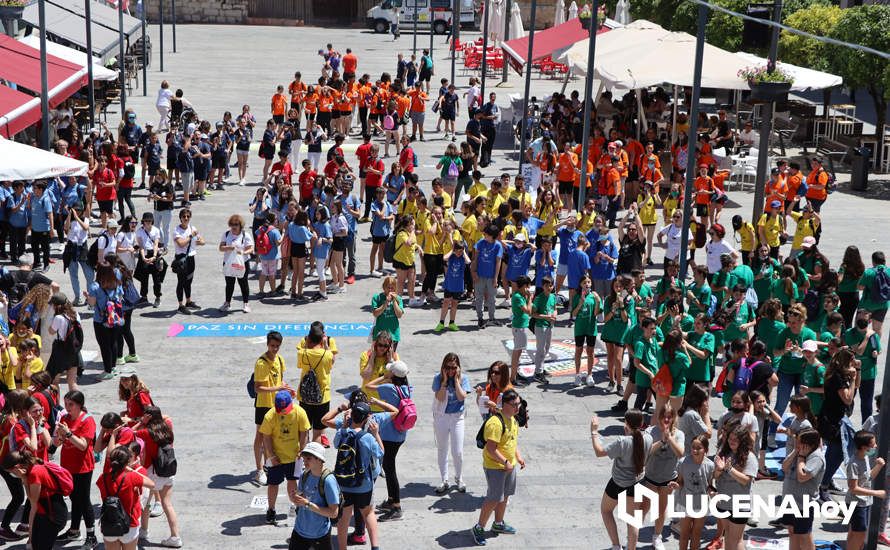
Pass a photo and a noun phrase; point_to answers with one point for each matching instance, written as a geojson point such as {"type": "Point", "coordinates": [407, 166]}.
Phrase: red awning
{"type": "Point", "coordinates": [11, 102]}
{"type": "Point", "coordinates": [546, 42]}
{"type": "Point", "coordinates": [20, 63]}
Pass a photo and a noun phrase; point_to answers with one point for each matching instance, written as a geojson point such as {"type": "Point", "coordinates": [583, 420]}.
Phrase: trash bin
{"type": "Point", "coordinates": [859, 179]}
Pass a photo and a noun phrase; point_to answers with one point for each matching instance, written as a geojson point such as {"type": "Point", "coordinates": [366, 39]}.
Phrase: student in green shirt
{"type": "Point", "coordinates": [646, 360]}
{"type": "Point", "coordinates": [669, 314]}
{"type": "Point", "coordinates": [701, 347]}
{"type": "Point", "coordinates": [676, 357]}
{"type": "Point", "coordinates": [645, 296]}
{"type": "Point", "coordinates": [813, 376]}
{"type": "Point", "coordinates": [521, 306]}
{"type": "Point", "coordinates": [544, 313]}
{"type": "Point", "coordinates": [830, 303]}
{"type": "Point", "coordinates": [769, 324]}
{"type": "Point", "coordinates": [585, 305]}
{"type": "Point", "coordinates": [784, 289]}
{"type": "Point", "coordinates": [787, 349]}
{"type": "Point", "coordinates": [834, 324]}
{"type": "Point", "coordinates": [766, 268]}
{"type": "Point", "coordinates": [870, 302]}
{"type": "Point", "coordinates": [723, 280]}
{"type": "Point", "coordinates": [848, 274]}
{"type": "Point", "coordinates": [740, 315]}
{"type": "Point", "coordinates": [699, 292]}
{"type": "Point", "coordinates": [619, 311]}
{"type": "Point", "coordinates": [866, 344]}
{"type": "Point", "coordinates": [387, 309]}
{"type": "Point", "coordinates": [670, 279]}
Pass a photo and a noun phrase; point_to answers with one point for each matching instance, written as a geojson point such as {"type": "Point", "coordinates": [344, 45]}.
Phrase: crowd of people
{"type": "Point", "coordinates": [766, 323]}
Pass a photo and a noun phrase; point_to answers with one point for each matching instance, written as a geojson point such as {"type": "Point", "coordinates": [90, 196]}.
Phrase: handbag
{"type": "Point", "coordinates": [234, 266]}
{"type": "Point", "coordinates": [180, 262]}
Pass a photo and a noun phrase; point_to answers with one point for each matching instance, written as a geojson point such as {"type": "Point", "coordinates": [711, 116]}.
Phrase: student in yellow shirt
{"type": "Point", "coordinates": [8, 361]}
{"type": "Point", "coordinates": [29, 362]}
{"type": "Point", "coordinates": [431, 233]}
{"type": "Point", "coordinates": [23, 331]}
{"type": "Point", "coordinates": [587, 216]}
{"type": "Point", "coordinates": [315, 362]}
{"type": "Point", "coordinates": [494, 198]}
{"type": "Point", "coordinates": [468, 226]}
{"type": "Point", "coordinates": [439, 191]}
{"type": "Point", "coordinates": [519, 197]}
{"type": "Point", "coordinates": [408, 206]}
{"type": "Point", "coordinates": [285, 432]}
{"type": "Point", "coordinates": [673, 201]}
{"type": "Point", "coordinates": [372, 363]}
{"type": "Point", "coordinates": [547, 212]}
{"type": "Point", "coordinates": [807, 223]}
{"type": "Point", "coordinates": [478, 188]}
{"type": "Point", "coordinates": [647, 209]}
{"type": "Point", "coordinates": [268, 379]}
{"type": "Point", "coordinates": [746, 237]}
{"type": "Point", "coordinates": [771, 227]}
{"type": "Point", "coordinates": [403, 258]}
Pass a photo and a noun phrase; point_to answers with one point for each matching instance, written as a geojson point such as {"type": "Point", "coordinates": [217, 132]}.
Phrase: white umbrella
{"type": "Point", "coordinates": [573, 10]}
{"type": "Point", "coordinates": [516, 28]}
{"type": "Point", "coordinates": [496, 23]}
{"type": "Point", "coordinates": [23, 162]}
{"type": "Point", "coordinates": [560, 17]}
{"type": "Point", "coordinates": [622, 12]}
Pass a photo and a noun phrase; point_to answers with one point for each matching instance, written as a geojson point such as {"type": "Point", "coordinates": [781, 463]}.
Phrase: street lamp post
{"type": "Point", "coordinates": [161, 31]}
{"type": "Point", "coordinates": [484, 49]}
{"type": "Point", "coordinates": [766, 122]}
{"type": "Point", "coordinates": [528, 83]}
{"type": "Point", "coordinates": [455, 34]}
{"type": "Point", "coordinates": [144, 55]}
{"type": "Point", "coordinates": [91, 88]}
{"type": "Point", "coordinates": [44, 84]}
{"type": "Point", "coordinates": [121, 62]}
{"type": "Point", "coordinates": [173, 21]}
{"type": "Point", "coordinates": [507, 18]}
{"type": "Point", "coordinates": [588, 102]}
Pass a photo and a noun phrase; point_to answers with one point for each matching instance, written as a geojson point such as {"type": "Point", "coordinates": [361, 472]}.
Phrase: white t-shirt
{"type": "Point", "coordinates": [673, 236]}
{"type": "Point", "coordinates": [60, 326]}
{"type": "Point", "coordinates": [714, 250]}
{"type": "Point", "coordinates": [77, 234]}
{"type": "Point", "coordinates": [125, 239]}
{"type": "Point", "coordinates": [164, 95]}
{"type": "Point", "coordinates": [180, 233]}
{"type": "Point", "coordinates": [473, 94]}
{"type": "Point", "coordinates": [339, 224]}
{"type": "Point", "coordinates": [110, 243]}
{"type": "Point", "coordinates": [147, 239]}
{"type": "Point", "coordinates": [240, 241]}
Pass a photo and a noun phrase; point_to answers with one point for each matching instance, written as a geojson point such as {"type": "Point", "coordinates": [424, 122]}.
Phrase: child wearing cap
{"type": "Point", "coordinates": [285, 431]}
{"type": "Point", "coordinates": [317, 501]}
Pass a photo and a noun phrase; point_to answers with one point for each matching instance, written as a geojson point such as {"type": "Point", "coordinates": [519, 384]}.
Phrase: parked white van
{"type": "Point", "coordinates": [428, 12]}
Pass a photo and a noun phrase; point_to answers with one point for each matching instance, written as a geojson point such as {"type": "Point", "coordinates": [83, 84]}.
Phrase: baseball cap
{"type": "Point", "coordinates": [315, 449]}
{"type": "Point", "coordinates": [520, 237]}
{"type": "Point", "coordinates": [284, 403]}
{"type": "Point", "coordinates": [58, 299]}
{"type": "Point", "coordinates": [360, 411]}
{"type": "Point", "coordinates": [398, 368]}
{"type": "Point", "coordinates": [111, 224]}
{"type": "Point", "coordinates": [809, 345]}
{"type": "Point", "coordinates": [775, 204]}
{"type": "Point", "coordinates": [149, 125]}
{"type": "Point", "coordinates": [808, 242]}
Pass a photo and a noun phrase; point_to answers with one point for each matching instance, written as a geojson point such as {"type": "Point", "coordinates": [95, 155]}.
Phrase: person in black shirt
{"type": "Point", "coordinates": [163, 195]}
{"type": "Point", "coordinates": [490, 116]}
{"type": "Point", "coordinates": [842, 378]}
{"type": "Point", "coordinates": [474, 132]}
{"type": "Point", "coordinates": [631, 244]}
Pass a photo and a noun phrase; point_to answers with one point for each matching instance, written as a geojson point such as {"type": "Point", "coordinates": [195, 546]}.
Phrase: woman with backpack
{"type": "Point", "coordinates": [65, 356]}
{"type": "Point", "coordinates": [450, 165]}
{"type": "Point", "coordinates": [15, 401]}
{"type": "Point", "coordinates": [391, 120]}
{"type": "Point", "coordinates": [75, 434]}
{"type": "Point", "coordinates": [120, 487]}
{"type": "Point", "coordinates": [131, 299]}
{"type": "Point", "coordinates": [106, 298]}
{"type": "Point", "coordinates": [156, 430]}
{"type": "Point", "coordinates": [46, 484]}
{"type": "Point", "coordinates": [393, 389]}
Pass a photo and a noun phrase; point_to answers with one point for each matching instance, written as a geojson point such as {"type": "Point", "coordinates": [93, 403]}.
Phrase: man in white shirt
{"type": "Point", "coordinates": [748, 136]}
{"type": "Point", "coordinates": [473, 96]}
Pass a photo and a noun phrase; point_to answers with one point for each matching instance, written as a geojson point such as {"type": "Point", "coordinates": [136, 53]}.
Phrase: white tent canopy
{"type": "Point", "coordinates": [804, 79]}
{"type": "Point", "coordinates": [23, 162]}
{"type": "Point", "coordinates": [643, 54]}
{"type": "Point", "coordinates": [72, 55]}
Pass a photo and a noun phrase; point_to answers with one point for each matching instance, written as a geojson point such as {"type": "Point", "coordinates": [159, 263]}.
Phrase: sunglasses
{"type": "Point", "coordinates": [494, 371]}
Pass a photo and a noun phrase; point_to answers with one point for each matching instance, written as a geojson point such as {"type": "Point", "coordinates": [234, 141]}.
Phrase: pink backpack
{"type": "Point", "coordinates": [407, 415]}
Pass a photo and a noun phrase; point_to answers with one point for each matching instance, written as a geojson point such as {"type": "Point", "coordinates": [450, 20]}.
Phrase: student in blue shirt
{"type": "Point", "coordinates": [352, 209]}
{"type": "Point", "coordinates": [300, 237]}
{"type": "Point", "coordinates": [603, 254]}
{"type": "Point", "coordinates": [455, 264]}
{"type": "Point", "coordinates": [486, 264]}
{"type": "Point", "coordinates": [5, 193]}
{"type": "Point", "coordinates": [382, 215]}
{"type": "Point", "coordinates": [519, 258]}
{"type": "Point", "coordinates": [545, 264]}
{"type": "Point", "coordinates": [312, 528]}
{"type": "Point", "coordinates": [568, 241]}
{"type": "Point", "coordinates": [269, 260]}
{"type": "Point", "coordinates": [578, 266]}
{"type": "Point", "coordinates": [41, 207]}
{"type": "Point", "coordinates": [323, 237]}
{"type": "Point", "coordinates": [17, 205]}
{"type": "Point", "coordinates": [451, 387]}
{"type": "Point", "coordinates": [371, 452]}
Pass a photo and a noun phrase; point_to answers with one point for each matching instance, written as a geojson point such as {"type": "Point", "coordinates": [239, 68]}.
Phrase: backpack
{"type": "Point", "coordinates": [251, 389]}
{"type": "Point", "coordinates": [93, 252]}
{"type": "Point", "coordinates": [812, 302]}
{"type": "Point", "coordinates": [744, 370]}
{"type": "Point", "coordinates": [414, 158]}
{"type": "Point", "coordinates": [712, 306]}
{"type": "Point", "coordinates": [389, 122]}
{"type": "Point", "coordinates": [114, 312]}
{"type": "Point", "coordinates": [803, 188]}
{"type": "Point", "coordinates": [407, 415]}
{"type": "Point", "coordinates": [310, 389]}
{"type": "Point", "coordinates": [129, 170]}
{"type": "Point", "coordinates": [389, 248]}
{"type": "Point", "coordinates": [325, 473]}
{"type": "Point", "coordinates": [831, 186]}
{"type": "Point", "coordinates": [880, 286]}
{"type": "Point", "coordinates": [453, 170]}
{"type": "Point", "coordinates": [164, 463]}
{"type": "Point", "coordinates": [55, 504]}
{"type": "Point", "coordinates": [55, 410]}
{"type": "Point", "coordinates": [427, 62]}
{"type": "Point", "coordinates": [480, 435]}
{"type": "Point", "coordinates": [114, 520]}
{"type": "Point", "coordinates": [263, 242]}
{"type": "Point", "coordinates": [74, 336]}
{"type": "Point", "coordinates": [348, 469]}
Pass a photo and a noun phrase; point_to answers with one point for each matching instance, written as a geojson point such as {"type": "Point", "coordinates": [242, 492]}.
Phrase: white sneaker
{"type": "Point", "coordinates": [143, 534]}
{"type": "Point", "coordinates": [246, 308]}
{"type": "Point", "coordinates": [657, 544]}
{"type": "Point", "coordinates": [415, 302]}
{"type": "Point", "coordinates": [500, 292]}
{"type": "Point", "coordinates": [333, 290]}
{"type": "Point", "coordinates": [376, 273]}
{"type": "Point", "coordinates": [260, 477]}
{"type": "Point", "coordinates": [504, 304]}
{"type": "Point", "coordinates": [590, 382]}
{"type": "Point", "coordinates": [241, 183]}
{"type": "Point", "coordinates": [225, 307]}
{"type": "Point", "coordinates": [341, 290]}
{"type": "Point", "coordinates": [156, 509]}
{"type": "Point", "coordinates": [172, 542]}
{"type": "Point", "coordinates": [579, 380]}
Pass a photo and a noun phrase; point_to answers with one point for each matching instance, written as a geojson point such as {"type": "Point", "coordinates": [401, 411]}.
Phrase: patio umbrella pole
{"type": "Point", "coordinates": [121, 62]}
{"type": "Point", "coordinates": [766, 122]}
{"type": "Point", "coordinates": [173, 21]}
{"type": "Point", "coordinates": [91, 88]}
{"type": "Point", "coordinates": [588, 101]}
{"type": "Point", "coordinates": [528, 83]}
{"type": "Point", "coordinates": [44, 85]}
{"type": "Point", "coordinates": [455, 33]}
{"type": "Point", "coordinates": [484, 51]}
{"type": "Point", "coordinates": [161, 30]}
{"type": "Point", "coordinates": [144, 60]}
{"type": "Point", "coordinates": [507, 18]}
{"type": "Point", "coordinates": [415, 28]}
{"type": "Point", "coordinates": [693, 130]}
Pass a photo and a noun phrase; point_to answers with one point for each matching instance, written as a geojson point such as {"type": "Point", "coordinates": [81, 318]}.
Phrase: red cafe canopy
{"type": "Point", "coordinates": [20, 64]}
{"type": "Point", "coordinates": [547, 41]}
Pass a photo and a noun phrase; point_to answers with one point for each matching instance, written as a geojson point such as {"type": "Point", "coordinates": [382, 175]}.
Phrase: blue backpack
{"type": "Point", "coordinates": [349, 470]}
{"type": "Point", "coordinates": [880, 286]}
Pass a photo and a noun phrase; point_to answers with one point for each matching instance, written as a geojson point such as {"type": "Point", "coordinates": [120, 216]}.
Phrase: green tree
{"type": "Point", "coordinates": [804, 51]}
{"type": "Point", "coordinates": [723, 30]}
{"type": "Point", "coordinates": [867, 26]}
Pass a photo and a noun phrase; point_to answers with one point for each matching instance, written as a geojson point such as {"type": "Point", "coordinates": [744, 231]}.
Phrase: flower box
{"type": "Point", "coordinates": [769, 91]}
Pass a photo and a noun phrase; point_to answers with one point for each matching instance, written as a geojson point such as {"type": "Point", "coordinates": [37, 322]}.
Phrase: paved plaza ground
{"type": "Point", "coordinates": [200, 381]}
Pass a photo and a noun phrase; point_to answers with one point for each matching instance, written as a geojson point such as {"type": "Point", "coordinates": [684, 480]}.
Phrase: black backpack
{"type": "Point", "coordinates": [55, 410]}
{"type": "Point", "coordinates": [129, 169]}
{"type": "Point", "coordinates": [93, 252]}
{"type": "Point", "coordinates": [74, 336]}
{"type": "Point", "coordinates": [310, 389]}
{"type": "Point", "coordinates": [114, 520]}
{"type": "Point", "coordinates": [348, 469]}
{"type": "Point", "coordinates": [165, 462]}
{"type": "Point", "coordinates": [880, 287]}
{"type": "Point", "coordinates": [480, 435]}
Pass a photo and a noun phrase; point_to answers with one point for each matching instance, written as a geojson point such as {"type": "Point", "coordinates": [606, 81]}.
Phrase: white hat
{"type": "Point", "coordinates": [810, 345]}
{"type": "Point", "coordinates": [519, 237]}
{"type": "Point", "coordinates": [398, 368]}
{"type": "Point", "coordinates": [314, 449]}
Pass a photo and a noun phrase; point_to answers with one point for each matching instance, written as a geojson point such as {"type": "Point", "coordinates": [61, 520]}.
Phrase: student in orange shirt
{"type": "Point", "coordinates": [794, 179]}
{"type": "Point", "coordinates": [635, 152]}
{"type": "Point", "coordinates": [403, 103]}
{"type": "Point", "coordinates": [350, 64]}
{"type": "Point", "coordinates": [325, 105]}
{"type": "Point", "coordinates": [279, 106]}
{"type": "Point", "coordinates": [616, 149]}
{"type": "Point", "coordinates": [775, 189]}
{"type": "Point", "coordinates": [576, 182]}
{"type": "Point", "coordinates": [297, 90]}
{"type": "Point", "coordinates": [817, 184]}
{"type": "Point", "coordinates": [565, 174]}
{"type": "Point", "coordinates": [612, 189]}
{"type": "Point", "coordinates": [310, 103]}
{"type": "Point", "coordinates": [704, 188]}
{"type": "Point", "coordinates": [650, 169]}
{"type": "Point", "coordinates": [418, 109]}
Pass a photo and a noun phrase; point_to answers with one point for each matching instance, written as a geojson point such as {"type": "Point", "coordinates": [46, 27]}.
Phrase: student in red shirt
{"type": "Point", "coordinates": [41, 480]}
{"type": "Point", "coordinates": [75, 434]}
{"type": "Point", "coordinates": [105, 184]}
{"type": "Point", "coordinates": [373, 179]}
{"type": "Point", "coordinates": [406, 156]}
{"type": "Point", "coordinates": [363, 152]}
{"type": "Point", "coordinates": [156, 431]}
{"type": "Point", "coordinates": [283, 169]}
{"type": "Point", "coordinates": [306, 180]}
{"type": "Point", "coordinates": [126, 169]}
{"type": "Point", "coordinates": [137, 396]}
{"type": "Point", "coordinates": [125, 482]}
{"type": "Point", "coordinates": [15, 401]}
{"type": "Point", "coordinates": [30, 433]}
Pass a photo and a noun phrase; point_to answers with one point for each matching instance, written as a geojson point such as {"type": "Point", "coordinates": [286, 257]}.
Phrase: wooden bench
{"type": "Point", "coordinates": [830, 149]}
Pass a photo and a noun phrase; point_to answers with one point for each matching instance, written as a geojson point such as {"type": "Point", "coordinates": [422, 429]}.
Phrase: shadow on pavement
{"type": "Point", "coordinates": [231, 482]}
{"type": "Point", "coordinates": [233, 527]}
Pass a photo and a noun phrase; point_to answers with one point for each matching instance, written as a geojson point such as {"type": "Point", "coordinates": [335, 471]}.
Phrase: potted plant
{"type": "Point", "coordinates": [767, 83]}
{"type": "Point", "coordinates": [12, 9]}
{"type": "Point", "coordinates": [584, 16]}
